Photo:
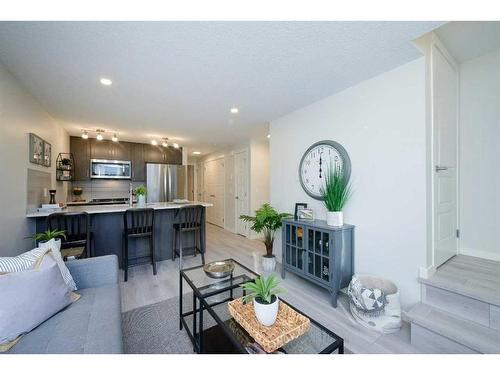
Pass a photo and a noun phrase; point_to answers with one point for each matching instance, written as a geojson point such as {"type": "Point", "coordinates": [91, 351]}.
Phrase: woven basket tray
{"type": "Point", "coordinates": [288, 326]}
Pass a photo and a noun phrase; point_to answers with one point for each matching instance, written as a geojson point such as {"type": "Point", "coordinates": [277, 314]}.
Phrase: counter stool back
{"type": "Point", "coordinates": [138, 223]}
{"type": "Point", "coordinates": [190, 220]}
{"type": "Point", "coordinates": [76, 226]}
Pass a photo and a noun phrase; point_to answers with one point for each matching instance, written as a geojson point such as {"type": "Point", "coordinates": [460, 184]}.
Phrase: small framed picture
{"type": "Point", "coordinates": [305, 214]}
{"type": "Point", "coordinates": [47, 154]}
{"type": "Point", "coordinates": [297, 207]}
{"type": "Point", "coordinates": [36, 149]}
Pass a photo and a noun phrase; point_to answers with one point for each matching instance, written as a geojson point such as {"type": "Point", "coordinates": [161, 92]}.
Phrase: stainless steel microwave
{"type": "Point", "coordinates": [110, 169]}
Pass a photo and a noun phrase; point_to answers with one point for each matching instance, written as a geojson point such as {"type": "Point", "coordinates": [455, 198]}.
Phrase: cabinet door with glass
{"type": "Point", "coordinates": [294, 246]}
{"type": "Point", "coordinates": [318, 255]}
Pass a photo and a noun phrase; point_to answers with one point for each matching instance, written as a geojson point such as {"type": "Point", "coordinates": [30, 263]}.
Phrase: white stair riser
{"type": "Point", "coordinates": [430, 342]}
{"type": "Point", "coordinates": [460, 305]}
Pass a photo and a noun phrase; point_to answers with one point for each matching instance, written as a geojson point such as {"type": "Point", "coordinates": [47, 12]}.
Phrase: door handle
{"type": "Point", "coordinates": [236, 197]}
{"type": "Point", "coordinates": [439, 169]}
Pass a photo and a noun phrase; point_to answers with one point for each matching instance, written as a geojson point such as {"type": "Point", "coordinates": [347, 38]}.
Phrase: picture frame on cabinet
{"type": "Point", "coordinates": [297, 207]}
{"type": "Point", "coordinates": [306, 214]}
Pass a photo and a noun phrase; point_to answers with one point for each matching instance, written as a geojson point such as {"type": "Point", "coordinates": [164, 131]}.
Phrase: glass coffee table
{"type": "Point", "coordinates": [218, 333]}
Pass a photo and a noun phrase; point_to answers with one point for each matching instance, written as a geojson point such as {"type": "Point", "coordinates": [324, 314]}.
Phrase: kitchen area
{"type": "Point", "coordinates": [102, 177]}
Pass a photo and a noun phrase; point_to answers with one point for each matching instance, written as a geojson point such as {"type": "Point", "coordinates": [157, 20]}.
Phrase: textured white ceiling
{"type": "Point", "coordinates": [179, 79]}
{"type": "Point", "coordinates": [466, 40]}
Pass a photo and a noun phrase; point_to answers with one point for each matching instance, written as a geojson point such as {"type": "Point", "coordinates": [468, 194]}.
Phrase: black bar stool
{"type": "Point", "coordinates": [76, 226]}
{"type": "Point", "coordinates": [138, 223]}
{"type": "Point", "coordinates": [190, 220]}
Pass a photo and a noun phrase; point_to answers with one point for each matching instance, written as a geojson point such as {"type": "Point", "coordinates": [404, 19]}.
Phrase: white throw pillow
{"type": "Point", "coordinates": [55, 246]}
{"type": "Point", "coordinates": [30, 297]}
{"type": "Point", "coordinates": [22, 262]}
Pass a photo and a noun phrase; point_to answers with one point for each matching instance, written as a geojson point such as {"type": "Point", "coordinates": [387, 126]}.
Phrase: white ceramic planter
{"type": "Point", "coordinates": [141, 201]}
{"type": "Point", "coordinates": [266, 314]}
{"type": "Point", "coordinates": [268, 263]}
{"type": "Point", "coordinates": [335, 218]}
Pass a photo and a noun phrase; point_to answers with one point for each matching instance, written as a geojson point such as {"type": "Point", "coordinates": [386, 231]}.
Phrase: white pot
{"type": "Point", "coordinates": [141, 200]}
{"type": "Point", "coordinates": [335, 218]}
{"type": "Point", "coordinates": [268, 263]}
{"type": "Point", "coordinates": [266, 314]}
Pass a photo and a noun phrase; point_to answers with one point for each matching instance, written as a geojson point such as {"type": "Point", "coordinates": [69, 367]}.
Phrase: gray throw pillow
{"type": "Point", "coordinates": [30, 297]}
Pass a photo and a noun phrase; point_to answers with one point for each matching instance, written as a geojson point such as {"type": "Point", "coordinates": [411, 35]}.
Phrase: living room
{"type": "Point", "coordinates": [215, 187]}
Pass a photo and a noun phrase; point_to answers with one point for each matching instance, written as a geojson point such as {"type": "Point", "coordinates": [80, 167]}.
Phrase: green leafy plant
{"type": "Point", "coordinates": [267, 221]}
{"type": "Point", "coordinates": [337, 190]}
{"type": "Point", "coordinates": [262, 289]}
{"type": "Point", "coordinates": [48, 235]}
{"type": "Point", "coordinates": [141, 190]}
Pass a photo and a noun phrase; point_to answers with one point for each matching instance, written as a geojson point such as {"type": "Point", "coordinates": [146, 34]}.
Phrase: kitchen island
{"type": "Point", "coordinates": [107, 228]}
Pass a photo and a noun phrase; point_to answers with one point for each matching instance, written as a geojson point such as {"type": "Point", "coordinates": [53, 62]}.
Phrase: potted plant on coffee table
{"type": "Point", "coordinates": [141, 193]}
{"type": "Point", "coordinates": [264, 293]}
{"type": "Point", "coordinates": [335, 193]}
{"type": "Point", "coordinates": [267, 221]}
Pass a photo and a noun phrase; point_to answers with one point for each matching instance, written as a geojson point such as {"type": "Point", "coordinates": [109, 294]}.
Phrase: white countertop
{"type": "Point", "coordinates": [110, 208]}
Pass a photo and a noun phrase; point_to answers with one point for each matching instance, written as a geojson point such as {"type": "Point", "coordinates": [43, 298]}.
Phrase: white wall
{"type": "Point", "coordinates": [21, 114]}
{"type": "Point", "coordinates": [381, 123]}
{"type": "Point", "coordinates": [259, 177]}
{"type": "Point", "coordinates": [480, 156]}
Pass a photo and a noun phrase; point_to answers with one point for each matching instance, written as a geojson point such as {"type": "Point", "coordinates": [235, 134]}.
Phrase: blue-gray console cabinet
{"type": "Point", "coordinates": [319, 253]}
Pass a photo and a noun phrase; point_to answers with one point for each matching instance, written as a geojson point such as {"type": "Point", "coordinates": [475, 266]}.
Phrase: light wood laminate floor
{"type": "Point", "coordinates": [143, 288]}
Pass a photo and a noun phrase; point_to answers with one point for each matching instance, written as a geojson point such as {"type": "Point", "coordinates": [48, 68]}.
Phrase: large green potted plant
{"type": "Point", "coordinates": [335, 194]}
{"type": "Point", "coordinates": [266, 221]}
{"type": "Point", "coordinates": [264, 293]}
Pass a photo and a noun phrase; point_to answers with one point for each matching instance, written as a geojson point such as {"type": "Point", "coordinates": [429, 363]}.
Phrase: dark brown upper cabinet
{"type": "Point", "coordinates": [162, 155]}
{"type": "Point", "coordinates": [138, 163]}
{"type": "Point", "coordinates": [80, 148]}
{"type": "Point", "coordinates": [109, 150]}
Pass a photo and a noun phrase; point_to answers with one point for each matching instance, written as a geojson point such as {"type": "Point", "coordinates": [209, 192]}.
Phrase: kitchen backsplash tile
{"type": "Point", "coordinates": [38, 181]}
{"type": "Point", "coordinates": [100, 189]}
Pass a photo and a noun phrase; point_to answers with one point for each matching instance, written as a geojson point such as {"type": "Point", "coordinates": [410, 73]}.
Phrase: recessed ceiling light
{"type": "Point", "coordinates": [176, 145]}
{"type": "Point", "coordinates": [269, 136]}
{"type": "Point", "coordinates": [154, 142]}
{"type": "Point", "coordinates": [115, 138]}
{"type": "Point", "coordinates": [106, 81]}
{"type": "Point", "coordinates": [234, 110]}
{"type": "Point", "coordinates": [85, 135]}
{"type": "Point", "coordinates": [196, 152]}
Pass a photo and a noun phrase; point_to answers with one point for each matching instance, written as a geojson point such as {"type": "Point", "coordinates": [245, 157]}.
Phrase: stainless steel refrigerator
{"type": "Point", "coordinates": [166, 182]}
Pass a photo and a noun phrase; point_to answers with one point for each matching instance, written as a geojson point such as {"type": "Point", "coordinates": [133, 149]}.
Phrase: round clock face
{"type": "Point", "coordinates": [316, 162]}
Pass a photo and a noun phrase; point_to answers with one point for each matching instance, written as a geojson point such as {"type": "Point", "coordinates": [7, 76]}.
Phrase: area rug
{"type": "Point", "coordinates": [154, 329]}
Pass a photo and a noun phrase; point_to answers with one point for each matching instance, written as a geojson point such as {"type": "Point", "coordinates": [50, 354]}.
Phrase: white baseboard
{"type": "Point", "coordinates": [481, 254]}
{"type": "Point", "coordinates": [426, 272]}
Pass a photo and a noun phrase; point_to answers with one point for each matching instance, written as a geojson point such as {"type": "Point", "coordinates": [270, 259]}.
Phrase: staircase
{"type": "Point", "coordinates": [460, 308]}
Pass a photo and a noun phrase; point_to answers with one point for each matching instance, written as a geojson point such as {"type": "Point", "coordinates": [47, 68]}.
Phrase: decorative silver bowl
{"type": "Point", "coordinates": [219, 269]}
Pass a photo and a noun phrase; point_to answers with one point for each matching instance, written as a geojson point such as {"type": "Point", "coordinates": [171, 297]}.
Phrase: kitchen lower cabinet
{"type": "Point", "coordinates": [319, 253]}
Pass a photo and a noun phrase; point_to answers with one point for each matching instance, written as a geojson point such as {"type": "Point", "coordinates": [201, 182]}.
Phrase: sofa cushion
{"type": "Point", "coordinates": [30, 297]}
{"type": "Point", "coordinates": [21, 262]}
{"type": "Point", "coordinates": [56, 251]}
{"type": "Point", "coordinates": [90, 325]}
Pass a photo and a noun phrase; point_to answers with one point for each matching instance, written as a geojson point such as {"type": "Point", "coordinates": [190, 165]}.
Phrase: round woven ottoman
{"type": "Point", "coordinates": [374, 303]}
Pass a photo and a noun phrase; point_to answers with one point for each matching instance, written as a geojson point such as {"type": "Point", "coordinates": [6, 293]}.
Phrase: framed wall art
{"type": "Point", "coordinates": [36, 149]}
{"type": "Point", "coordinates": [47, 154]}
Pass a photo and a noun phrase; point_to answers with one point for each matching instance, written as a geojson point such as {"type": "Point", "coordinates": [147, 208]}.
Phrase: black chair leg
{"type": "Point", "coordinates": [180, 250]}
{"type": "Point", "coordinates": [174, 234]}
{"type": "Point", "coordinates": [125, 258]}
{"type": "Point", "coordinates": [152, 248]}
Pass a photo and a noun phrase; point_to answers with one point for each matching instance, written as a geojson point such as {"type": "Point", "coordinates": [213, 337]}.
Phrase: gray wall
{"type": "Point", "coordinates": [21, 114]}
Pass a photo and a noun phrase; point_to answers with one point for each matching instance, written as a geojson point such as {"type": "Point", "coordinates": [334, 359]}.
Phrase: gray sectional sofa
{"type": "Point", "coordinates": [90, 325]}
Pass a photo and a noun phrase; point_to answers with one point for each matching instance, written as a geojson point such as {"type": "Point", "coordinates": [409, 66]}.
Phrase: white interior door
{"type": "Point", "coordinates": [445, 113]}
{"type": "Point", "coordinates": [241, 189]}
{"type": "Point", "coordinates": [213, 178]}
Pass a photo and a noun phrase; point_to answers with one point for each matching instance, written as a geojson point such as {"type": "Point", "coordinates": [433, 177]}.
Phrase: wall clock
{"type": "Point", "coordinates": [315, 162]}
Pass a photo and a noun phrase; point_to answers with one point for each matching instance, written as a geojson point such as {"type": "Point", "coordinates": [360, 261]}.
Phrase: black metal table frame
{"type": "Point", "coordinates": [197, 338]}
